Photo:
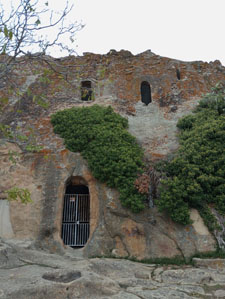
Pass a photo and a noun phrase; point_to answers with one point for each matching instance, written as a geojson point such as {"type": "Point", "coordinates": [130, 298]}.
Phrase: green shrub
{"type": "Point", "coordinates": [195, 177]}
{"type": "Point", "coordinates": [113, 155]}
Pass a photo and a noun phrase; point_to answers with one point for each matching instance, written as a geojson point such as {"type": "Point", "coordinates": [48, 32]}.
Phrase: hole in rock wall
{"type": "Point", "coordinates": [86, 91]}
{"type": "Point", "coordinates": [178, 74]}
{"type": "Point", "coordinates": [146, 97]}
{"type": "Point", "coordinates": [76, 215]}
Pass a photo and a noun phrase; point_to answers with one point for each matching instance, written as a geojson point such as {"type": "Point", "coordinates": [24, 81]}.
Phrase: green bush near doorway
{"type": "Point", "coordinates": [113, 154]}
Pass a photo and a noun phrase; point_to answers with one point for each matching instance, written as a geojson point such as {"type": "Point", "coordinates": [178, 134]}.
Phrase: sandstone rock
{"type": "Point", "coordinates": [8, 258]}
{"type": "Point", "coordinates": [5, 222]}
{"type": "Point", "coordinates": [114, 229]}
{"type": "Point", "coordinates": [219, 294]}
{"type": "Point", "coordinates": [115, 79]}
{"type": "Point", "coordinates": [36, 274]}
{"type": "Point", "coordinates": [218, 264]}
{"type": "Point", "coordinates": [198, 223]}
{"type": "Point", "coordinates": [164, 292]}
{"type": "Point", "coordinates": [142, 275]}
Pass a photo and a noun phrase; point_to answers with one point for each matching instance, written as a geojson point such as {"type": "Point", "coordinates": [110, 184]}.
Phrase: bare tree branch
{"type": "Point", "coordinates": [26, 30]}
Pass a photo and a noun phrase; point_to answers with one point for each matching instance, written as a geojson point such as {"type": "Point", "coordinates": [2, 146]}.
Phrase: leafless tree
{"type": "Point", "coordinates": [31, 28]}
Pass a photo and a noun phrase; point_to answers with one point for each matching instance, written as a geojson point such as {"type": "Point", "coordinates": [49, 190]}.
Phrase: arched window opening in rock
{"type": "Point", "coordinates": [146, 93]}
{"type": "Point", "coordinates": [76, 216]}
{"type": "Point", "coordinates": [178, 74]}
{"type": "Point", "coordinates": [86, 91]}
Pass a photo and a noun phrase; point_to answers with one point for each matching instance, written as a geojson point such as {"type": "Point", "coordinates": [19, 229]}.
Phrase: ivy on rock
{"type": "Point", "coordinates": [113, 155]}
{"type": "Point", "coordinates": [195, 177]}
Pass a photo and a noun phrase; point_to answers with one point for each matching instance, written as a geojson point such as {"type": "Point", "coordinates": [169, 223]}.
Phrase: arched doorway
{"type": "Point", "coordinates": [76, 215]}
{"type": "Point", "coordinates": [146, 93]}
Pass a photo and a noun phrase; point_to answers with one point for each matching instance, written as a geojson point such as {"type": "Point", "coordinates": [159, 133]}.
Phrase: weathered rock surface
{"type": "Point", "coordinates": [114, 229]}
{"type": "Point", "coordinates": [29, 274]}
{"type": "Point", "coordinates": [115, 79]}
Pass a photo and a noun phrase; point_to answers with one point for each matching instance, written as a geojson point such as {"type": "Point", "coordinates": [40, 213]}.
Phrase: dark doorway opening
{"type": "Point", "coordinates": [86, 91]}
{"type": "Point", "coordinates": [76, 216]}
{"type": "Point", "coordinates": [146, 97]}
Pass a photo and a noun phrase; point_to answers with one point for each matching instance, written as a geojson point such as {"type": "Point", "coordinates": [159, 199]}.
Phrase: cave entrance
{"type": "Point", "coordinates": [76, 216]}
{"type": "Point", "coordinates": [146, 93]}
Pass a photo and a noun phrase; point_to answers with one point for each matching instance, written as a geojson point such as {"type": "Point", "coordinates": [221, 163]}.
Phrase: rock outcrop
{"type": "Point", "coordinates": [26, 273]}
{"type": "Point", "coordinates": [114, 229]}
{"type": "Point", "coordinates": [114, 79]}
{"type": "Point", "coordinates": [49, 85]}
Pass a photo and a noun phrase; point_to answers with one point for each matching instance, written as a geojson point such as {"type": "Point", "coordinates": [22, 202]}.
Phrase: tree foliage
{"type": "Point", "coordinates": [113, 155]}
{"type": "Point", "coordinates": [195, 177]}
{"type": "Point", "coordinates": [21, 194]}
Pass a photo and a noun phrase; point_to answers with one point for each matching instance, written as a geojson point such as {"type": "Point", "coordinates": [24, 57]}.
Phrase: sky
{"type": "Point", "coordinates": [182, 29]}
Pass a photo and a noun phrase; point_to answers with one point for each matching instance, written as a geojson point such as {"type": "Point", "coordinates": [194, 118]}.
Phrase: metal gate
{"type": "Point", "coordinates": [76, 219]}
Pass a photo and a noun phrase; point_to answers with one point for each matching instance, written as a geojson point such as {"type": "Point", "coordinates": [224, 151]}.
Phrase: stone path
{"type": "Point", "coordinates": [26, 273]}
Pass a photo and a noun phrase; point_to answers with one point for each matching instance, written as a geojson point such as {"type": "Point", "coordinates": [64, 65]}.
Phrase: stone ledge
{"type": "Point", "coordinates": [217, 264]}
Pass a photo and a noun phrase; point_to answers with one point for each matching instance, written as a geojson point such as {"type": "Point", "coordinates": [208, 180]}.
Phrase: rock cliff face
{"type": "Point", "coordinates": [116, 79]}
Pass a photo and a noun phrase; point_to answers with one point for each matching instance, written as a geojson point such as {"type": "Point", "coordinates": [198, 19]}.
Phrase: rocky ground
{"type": "Point", "coordinates": [27, 273]}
